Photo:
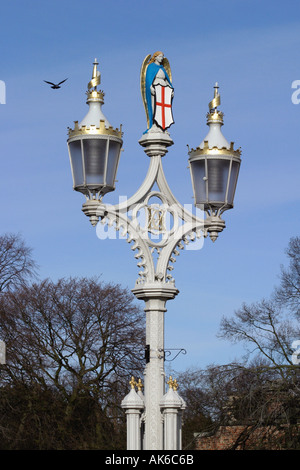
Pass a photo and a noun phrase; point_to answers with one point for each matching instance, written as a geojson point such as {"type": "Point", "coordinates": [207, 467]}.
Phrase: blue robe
{"type": "Point", "coordinates": [151, 73]}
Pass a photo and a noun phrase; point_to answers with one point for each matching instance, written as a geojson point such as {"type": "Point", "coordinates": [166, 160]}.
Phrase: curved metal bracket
{"type": "Point", "coordinates": [155, 239]}
{"type": "Point", "coordinates": [167, 352]}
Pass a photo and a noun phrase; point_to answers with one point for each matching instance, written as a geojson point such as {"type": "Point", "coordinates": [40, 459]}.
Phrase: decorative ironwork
{"type": "Point", "coordinates": [168, 352]}
{"type": "Point", "coordinates": [156, 218]}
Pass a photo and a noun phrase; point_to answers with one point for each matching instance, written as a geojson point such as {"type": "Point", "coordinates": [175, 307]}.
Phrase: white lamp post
{"type": "Point", "coordinates": [94, 149]}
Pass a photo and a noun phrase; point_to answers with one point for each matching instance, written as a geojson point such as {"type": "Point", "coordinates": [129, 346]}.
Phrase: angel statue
{"type": "Point", "coordinates": [157, 92]}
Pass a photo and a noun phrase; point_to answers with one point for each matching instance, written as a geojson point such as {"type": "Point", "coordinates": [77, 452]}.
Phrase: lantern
{"type": "Point", "coordinates": [94, 147]}
{"type": "Point", "coordinates": [214, 166]}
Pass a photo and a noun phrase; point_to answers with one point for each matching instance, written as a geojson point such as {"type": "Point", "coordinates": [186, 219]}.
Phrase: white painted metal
{"type": "Point", "coordinates": [156, 245]}
{"type": "Point", "coordinates": [172, 406]}
{"type": "Point", "coordinates": [155, 284]}
{"type": "Point", "coordinates": [134, 405]}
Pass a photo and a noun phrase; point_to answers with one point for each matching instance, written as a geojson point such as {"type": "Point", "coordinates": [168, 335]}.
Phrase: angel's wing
{"type": "Point", "coordinates": [143, 84]}
{"type": "Point", "coordinates": [166, 65]}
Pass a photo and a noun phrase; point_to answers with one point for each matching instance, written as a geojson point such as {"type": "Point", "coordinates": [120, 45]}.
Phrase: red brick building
{"type": "Point", "coordinates": [241, 437]}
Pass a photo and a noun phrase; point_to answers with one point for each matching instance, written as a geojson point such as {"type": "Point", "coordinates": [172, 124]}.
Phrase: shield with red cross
{"type": "Point", "coordinates": [163, 106]}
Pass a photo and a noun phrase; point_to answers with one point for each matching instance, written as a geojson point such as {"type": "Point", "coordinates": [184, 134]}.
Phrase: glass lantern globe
{"type": "Point", "coordinates": [94, 160]}
{"type": "Point", "coordinates": [214, 165]}
{"type": "Point", "coordinates": [214, 176]}
{"type": "Point", "coordinates": [94, 147]}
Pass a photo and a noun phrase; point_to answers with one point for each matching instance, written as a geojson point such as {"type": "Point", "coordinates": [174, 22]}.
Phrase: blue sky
{"type": "Point", "coordinates": [250, 47]}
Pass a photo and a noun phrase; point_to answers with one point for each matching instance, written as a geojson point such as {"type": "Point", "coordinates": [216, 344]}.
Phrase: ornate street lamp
{"type": "Point", "coordinates": [214, 167]}
{"type": "Point", "coordinates": [94, 148]}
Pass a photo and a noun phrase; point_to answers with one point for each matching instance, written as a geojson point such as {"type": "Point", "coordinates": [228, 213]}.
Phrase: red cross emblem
{"type": "Point", "coordinates": [163, 106]}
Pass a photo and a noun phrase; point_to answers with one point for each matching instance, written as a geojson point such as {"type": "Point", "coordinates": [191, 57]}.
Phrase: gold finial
{"type": "Point", "coordinates": [216, 101]}
{"type": "Point", "coordinates": [214, 115]}
{"type": "Point", "coordinates": [175, 385]}
{"type": "Point", "coordinates": [139, 385]}
{"type": "Point", "coordinates": [170, 382]}
{"type": "Point", "coordinates": [95, 77]}
{"type": "Point", "coordinates": [93, 94]}
{"type": "Point", "coordinates": [132, 382]}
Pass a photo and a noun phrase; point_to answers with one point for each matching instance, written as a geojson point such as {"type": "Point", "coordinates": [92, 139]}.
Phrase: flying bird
{"type": "Point", "coordinates": [55, 86]}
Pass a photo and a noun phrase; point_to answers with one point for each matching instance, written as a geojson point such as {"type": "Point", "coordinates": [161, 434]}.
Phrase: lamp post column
{"type": "Point", "coordinates": [155, 296]}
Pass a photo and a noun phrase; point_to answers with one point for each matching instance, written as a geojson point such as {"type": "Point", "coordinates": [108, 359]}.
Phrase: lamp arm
{"type": "Point", "coordinates": [131, 228]}
{"type": "Point", "coordinates": [123, 217]}
{"type": "Point", "coordinates": [185, 234]}
{"type": "Point", "coordinates": [143, 190]}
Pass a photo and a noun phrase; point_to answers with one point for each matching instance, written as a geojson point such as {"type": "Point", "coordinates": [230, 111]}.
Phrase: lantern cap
{"type": "Point", "coordinates": [97, 129]}
{"type": "Point", "coordinates": [207, 150]}
{"type": "Point", "coordinates": [95, 122]}
{"type": "Point", "coordinates": [215, 143]}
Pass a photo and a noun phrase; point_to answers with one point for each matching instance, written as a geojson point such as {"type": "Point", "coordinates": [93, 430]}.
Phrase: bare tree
{"type": "Point", "coordinates": [265, 330]}
{"type": "Point", "coordinates": [79, 339]}
{"type": "Point", "coordinates": [288, 293]}
{"type": "Point", "coordinates": [261, 392]}
{"type": "Point", "coordinates": [269, 327]}
{"type": "Point", "coordinates": [249, 404]}
{"type": "Point", "coordinates": [16, 263]}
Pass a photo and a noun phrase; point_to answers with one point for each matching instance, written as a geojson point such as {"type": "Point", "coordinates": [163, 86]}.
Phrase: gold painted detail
{"type": "Point", "coordinates": [95, 95]}
{"type": "Point", "coordinates": [96, 77]}
{"type": "Point", "coordinates": [175, 385]}
{"type": "Point", "coordinates": [92, 130]}
{"type": "Point", "coordinates": [132, 382]}
{"type": "Point", "coordinates": [215, 116]}
{"type": "Point", "coordinates": [143, 83]}
{"type": "Point", "coordinates": [172, 383]}
{"type": "Point", "coordinates": [215, 150]}
{"type": "Point", "coordinates": [216, 101]}
{"type": "Point", "coordinates": [156, 219]}
{"type": "Point", "coordinates": [139, 385]}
